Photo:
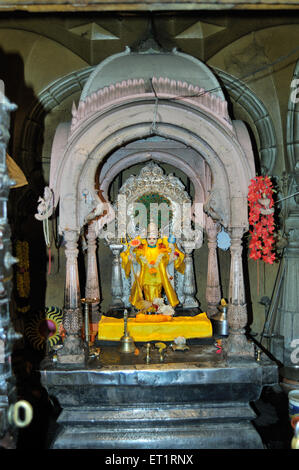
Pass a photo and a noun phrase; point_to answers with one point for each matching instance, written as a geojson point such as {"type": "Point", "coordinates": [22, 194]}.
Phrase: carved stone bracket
{"type": "Point", "coordinates": [46, 205]}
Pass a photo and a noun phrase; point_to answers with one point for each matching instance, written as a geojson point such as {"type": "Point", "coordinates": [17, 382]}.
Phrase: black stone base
{"type": "Point", "coordinates": [202, 403]}
{"type": "Point", "coordinates": [172, 427]}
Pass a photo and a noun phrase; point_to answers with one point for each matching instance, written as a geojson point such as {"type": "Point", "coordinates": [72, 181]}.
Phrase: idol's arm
{"type": "Point", "coordinates": [126, 264]}
{"type": "Point", "coordinates": [179, 263]}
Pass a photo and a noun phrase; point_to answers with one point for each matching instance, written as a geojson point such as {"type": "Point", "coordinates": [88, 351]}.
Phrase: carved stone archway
{"type": "Point", "coordinates": [130, 110]}
{"type": "Point", "coordinates": [177, 215]}
{"type": "Point", "coordinates": [130, 158]}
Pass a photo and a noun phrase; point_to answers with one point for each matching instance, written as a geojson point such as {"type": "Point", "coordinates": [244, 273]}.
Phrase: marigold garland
{"type": "Point", "coordinates": [261, 219]}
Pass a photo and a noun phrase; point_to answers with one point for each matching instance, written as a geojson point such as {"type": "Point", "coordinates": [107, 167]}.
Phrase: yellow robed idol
{"type": "Point", "coordinates": [153, 254]}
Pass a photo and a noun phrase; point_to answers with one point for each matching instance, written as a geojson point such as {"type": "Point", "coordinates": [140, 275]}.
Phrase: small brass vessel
{"type": "Point", "coordinates": [126, 342]}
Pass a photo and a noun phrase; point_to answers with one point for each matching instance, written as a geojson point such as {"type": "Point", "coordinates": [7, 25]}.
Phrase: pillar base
{"type": "Point", "coordinates": [237, 345]}
{"type": "Point", "coordinates": [74, 351]}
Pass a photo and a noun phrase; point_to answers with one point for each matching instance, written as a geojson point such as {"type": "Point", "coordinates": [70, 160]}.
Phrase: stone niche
{"type": "Point", "coordinates": [131, 97]}
{"type": "Point", "coordinates": [154, 97]}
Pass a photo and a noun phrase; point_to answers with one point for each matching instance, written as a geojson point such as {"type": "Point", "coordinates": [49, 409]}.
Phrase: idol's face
{"type": "Point", "coordinates": [151, 241]}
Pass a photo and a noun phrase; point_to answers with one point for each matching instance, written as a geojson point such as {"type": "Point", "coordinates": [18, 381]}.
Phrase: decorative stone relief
{"type": "Point", "coordinates": [46, 205]}
{"type": "Point", "coordinates": [163, 88]}
{"type": "Point", "coordinates": [152, 180]}
{"type": "Point", "coordinates": [215, 208]}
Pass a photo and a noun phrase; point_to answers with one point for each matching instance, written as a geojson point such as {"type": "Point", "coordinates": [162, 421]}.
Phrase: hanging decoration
{"type": "Point", "coordinates": [223, 240]}
{"type": "Point", "coordinates": [261, 219]}
{"type": "Point", "coordinates": [45, 209]}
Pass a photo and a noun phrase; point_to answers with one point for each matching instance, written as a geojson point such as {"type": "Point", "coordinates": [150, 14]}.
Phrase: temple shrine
{"type": "Point", "coordinates": [149, 225]}
{"type": "Point", "coordinates": [154, 341]}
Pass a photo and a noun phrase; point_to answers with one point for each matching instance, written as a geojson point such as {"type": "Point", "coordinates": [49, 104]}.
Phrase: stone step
{"type": "Point", "coordinates": [205, 436]}
{"type": "Point", "coordinates": [167, 415]}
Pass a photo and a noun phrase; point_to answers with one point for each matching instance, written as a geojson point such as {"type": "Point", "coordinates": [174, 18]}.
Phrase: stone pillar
{"type": "Point", "coordinates": [73, 350]}
{"type": "Point", "coordinates": [92, 289]}
{"type": "Point", "coordinates": [189, 286]}
{"type": "Point", "coordinates": [237, 344]}
{"type": "Point", "coordinates": [213, 292]}
{"type": "Point", "coordinates": [116, 276]}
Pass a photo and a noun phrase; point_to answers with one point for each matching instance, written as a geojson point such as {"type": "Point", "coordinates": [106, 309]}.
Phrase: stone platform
{"type": "Point", "coordinates": [195, 400]}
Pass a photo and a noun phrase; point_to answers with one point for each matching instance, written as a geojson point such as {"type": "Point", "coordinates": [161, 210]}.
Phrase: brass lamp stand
{"type": "Point", "coordinates": [87, 302]}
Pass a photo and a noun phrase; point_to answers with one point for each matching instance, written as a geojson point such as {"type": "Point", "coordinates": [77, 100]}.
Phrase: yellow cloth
{"type": "Point", "coordinates": [153, 273]}
{"type": "Point", "coordinates": [15, 173]}
{"type": "Point", "coordinates": [112, 329]}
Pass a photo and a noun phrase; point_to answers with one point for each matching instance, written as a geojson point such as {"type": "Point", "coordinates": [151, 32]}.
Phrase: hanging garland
{"type": "Point", "coordinates": [261, 219]}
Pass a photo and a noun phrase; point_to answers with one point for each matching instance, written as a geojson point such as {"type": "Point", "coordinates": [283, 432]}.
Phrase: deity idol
{"type": "Point", "coordinates": [153, 254]}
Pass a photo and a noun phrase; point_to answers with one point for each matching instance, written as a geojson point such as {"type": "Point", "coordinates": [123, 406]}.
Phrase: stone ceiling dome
{"type": "Point", "coordinates": [151, 63]}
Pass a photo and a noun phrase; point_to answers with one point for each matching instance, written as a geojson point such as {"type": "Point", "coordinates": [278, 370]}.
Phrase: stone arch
{"type": "Point", "coordinates": [240, 93]}
{"type": "Point", "coordinates": [292, 131]}
{"type": "Point", "coordinates": [50, 97]}
{"type": "Point", "coordinates": [59, 90]}
{"type": "Point", "coordinates": [159, 156]}
{"type": "Point", "coordinates": [96, 132]}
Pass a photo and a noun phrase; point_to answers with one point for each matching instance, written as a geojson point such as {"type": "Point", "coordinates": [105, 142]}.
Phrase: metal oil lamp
{"type": "Point", "coordinates": [126, 342]}
{"type": "Point", "coordinates": [87, 302]}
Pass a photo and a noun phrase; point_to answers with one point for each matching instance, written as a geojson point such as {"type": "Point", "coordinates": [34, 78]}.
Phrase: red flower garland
{"type": "Point", "coordinates": [261, 219]}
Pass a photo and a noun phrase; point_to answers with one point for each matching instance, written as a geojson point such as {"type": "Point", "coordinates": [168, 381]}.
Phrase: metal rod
{"type": "Point", "coordinates": [275, 293]}
{"type": "Point", "coordinates": [287, 197]}
{"type": "Point", "coordinates": [86, 321]}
